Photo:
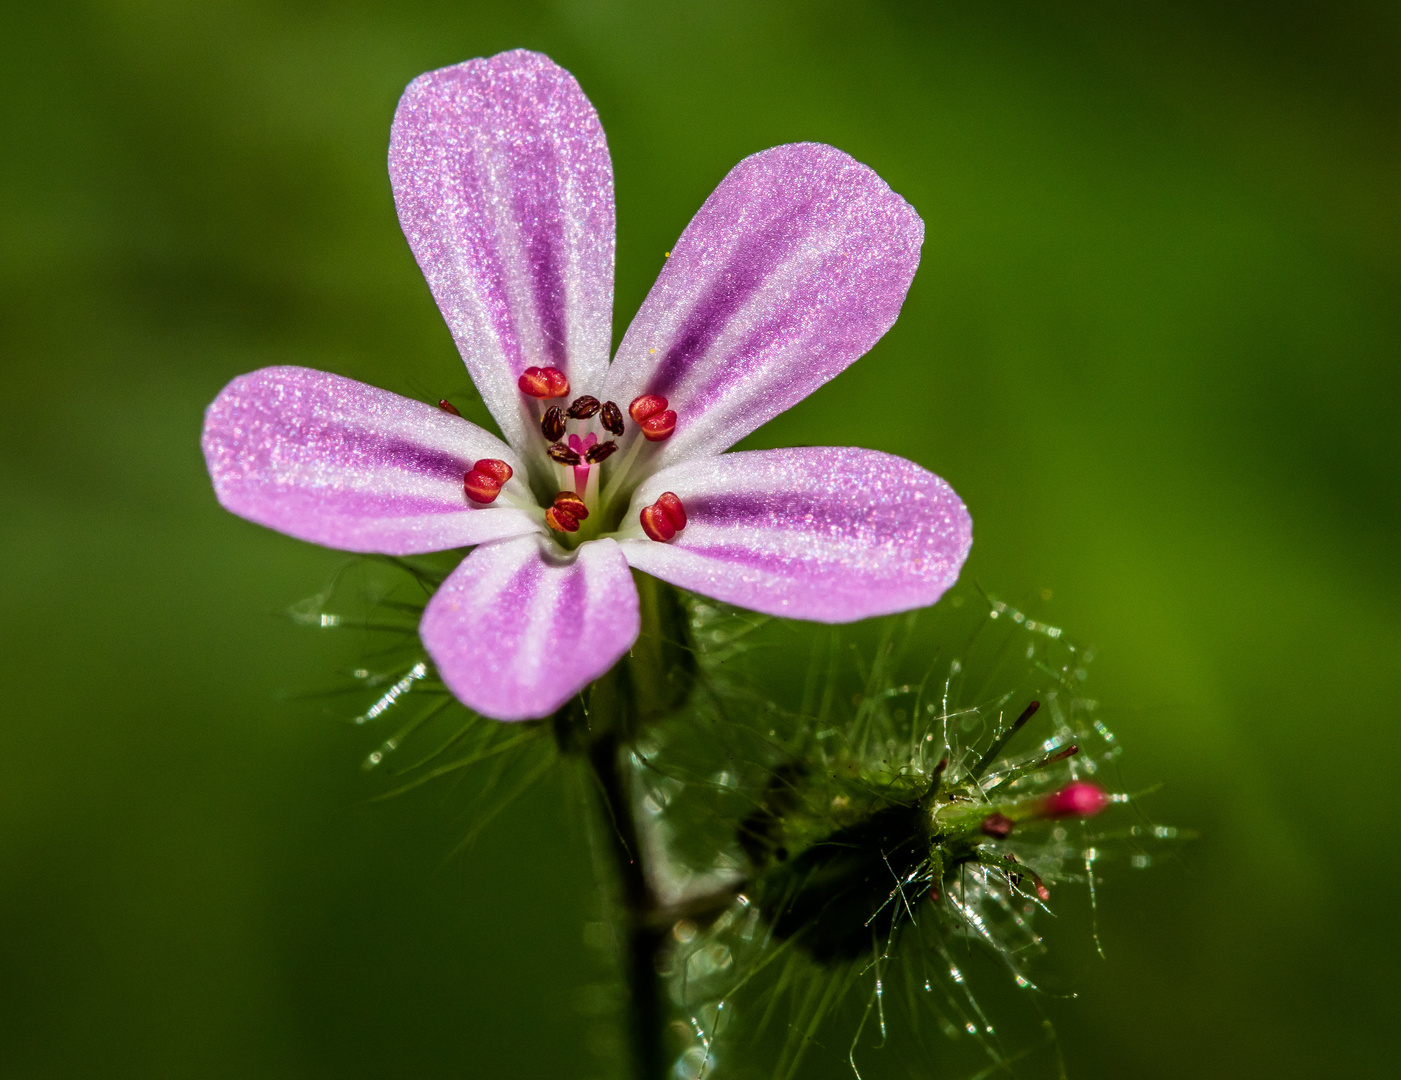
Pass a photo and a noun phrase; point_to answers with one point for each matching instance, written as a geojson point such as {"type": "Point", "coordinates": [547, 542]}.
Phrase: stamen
{"type": "Point", "coordinates": [552, 424]}
{"type": "Point", "coordinates": [569, 503]}
{"type": "Point", "coordinates": [645, 406]}
{"type": "Point", "coordinates": [546, 382]}
{"type": "Point", "coordinates": [563, 455]}
{"type": "Point", "coordinates": [658, 426]}
{"type": "Point", "coordinates": [448, 407]}
{"type": "Point", "coordinates": [561, 520]}
{"type": "Point", "coordinates": [664, 518]}
{"type": "Point", "coordinates": [673, 509]}
{"type": "Point", "coordinates": [483, 483]}
{"type": "Point", "coordinates": [612, 418]}
{"type": "Point", "coordinates": [495, 468]}
{"type": "Point", "coordinates": [656, 524]}
{"type": "Point", "coordinates": [599, 452]}
{"type": "Point", "coordinates": [583, 408]}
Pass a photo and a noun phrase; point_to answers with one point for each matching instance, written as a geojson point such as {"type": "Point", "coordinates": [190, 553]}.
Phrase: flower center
{"type": "Point", "coordinates": [583, 487]}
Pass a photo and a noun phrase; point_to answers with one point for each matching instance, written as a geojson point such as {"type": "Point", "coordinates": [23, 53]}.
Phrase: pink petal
{"type": "Point", "coordinates": [794, 267]}
{"type": "Point", "coordinates": [505, 191]}
{"type": "Point", "coordinates": [516, 632]}
{"type": "Point", "coordinates": [825, 533]}
{"type": "Point", "coordinates": [339, 463]}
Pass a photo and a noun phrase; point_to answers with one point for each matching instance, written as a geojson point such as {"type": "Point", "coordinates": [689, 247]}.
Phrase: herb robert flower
{"type": "Point", "coordinates": [794, 267]}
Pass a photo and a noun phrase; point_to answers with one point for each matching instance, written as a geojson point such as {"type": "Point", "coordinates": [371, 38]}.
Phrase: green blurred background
{"type": "Point", "coordinates": [1153, 343]}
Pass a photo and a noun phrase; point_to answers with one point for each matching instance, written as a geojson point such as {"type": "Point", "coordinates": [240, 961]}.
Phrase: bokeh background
{"type": "Point", "coordinates": [1153, 342]}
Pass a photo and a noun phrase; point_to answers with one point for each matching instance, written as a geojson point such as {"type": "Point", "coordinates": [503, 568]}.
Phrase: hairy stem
{"type": "Point", "coordinates": [641, 938]}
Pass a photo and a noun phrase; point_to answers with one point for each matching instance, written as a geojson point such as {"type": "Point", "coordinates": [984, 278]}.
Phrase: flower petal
{"type": "Point", "coordinates": [824, 533]}
{"type": "Point", "coordinates": [794, 267]}
{"type": "Point", "coordinates": [516, 632]}
{"type": "Point", "coordinates": [339, 463]}
{"type": "Point", "coordinates": [504, 188]}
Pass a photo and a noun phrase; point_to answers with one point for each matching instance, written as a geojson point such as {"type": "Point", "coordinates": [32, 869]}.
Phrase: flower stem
{"type": "Point", "coordinates": [641, 937]}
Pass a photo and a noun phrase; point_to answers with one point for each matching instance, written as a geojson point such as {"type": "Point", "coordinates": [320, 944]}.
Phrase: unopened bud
{"type": "Point", "coordinates": [1080, 799]}
{"type": "Point", "coordinates": [543, 382]}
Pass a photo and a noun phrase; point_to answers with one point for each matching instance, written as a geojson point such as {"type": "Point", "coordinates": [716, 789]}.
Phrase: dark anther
{"type": "Point", "coordinates": [562, 454]}
{"type": "Point", "coordinates": [448, 406]}
{"type": "Point", "coordinates": [1061, 755]}
{"type": "Point", "coordinates": [552, 424]}
{"type": "Point", "coordinates": [583, 408]}
{"type": "Point", "coordinates": [599, 451]}
{"type": "Point", "coordinates": [612, 418]}
{"type": "Point", "coordinates": [1013, 877]}
{"type": "Point", "coordinates": [998, 826]}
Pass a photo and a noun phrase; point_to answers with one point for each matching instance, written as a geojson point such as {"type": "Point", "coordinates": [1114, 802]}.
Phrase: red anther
{"type": "Point", "coordinates": [570, 503]}
{"type": "Point", "coordinates": [611, 418]}
{"type": "Point", "coordinates": [656, 524]}
{"type": "Point", "coordinates": [671, 506]}
{"type": "Point", "coordinates": [481, 487]}
{"type": "Point", "coordinates": [583, 408]}
{"type": "Point", "coordinates": [448, 406]}
{"type": "Point", "coordinates": [599, 452]}
{"type": "Point", "coordinates": [543, 382]}
{"type": "Point", "coordinates": [495, 468]}
{"type": "Point", "coordinates": [645, 406]}
{"type": "Point", "coordinates": [561, 520]}
{"type": "Point", "coordinates": [1080, 799]}
{"type": "Point", "coordinates": [998, 826]}
{"type": "Point", "coordinates": [658, 426]}
{"type": "Point", "coordinates": [552, 424]}
{"type": "Point", "coordinates": [562, 454]}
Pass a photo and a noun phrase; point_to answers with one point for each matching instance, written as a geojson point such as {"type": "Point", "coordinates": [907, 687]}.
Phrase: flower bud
{"type": "Point", "coordinates": [1080, 799]}
{"type": "Point", "coordinates": [543, 382]}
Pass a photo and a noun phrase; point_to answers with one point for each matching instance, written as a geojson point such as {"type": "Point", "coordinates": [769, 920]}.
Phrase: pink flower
{"type": "Point", "coordinates": [794, 267]}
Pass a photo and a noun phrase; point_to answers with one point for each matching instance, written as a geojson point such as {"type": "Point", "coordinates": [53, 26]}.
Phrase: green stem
{"type": "Point", "coordinates": [642, 939]}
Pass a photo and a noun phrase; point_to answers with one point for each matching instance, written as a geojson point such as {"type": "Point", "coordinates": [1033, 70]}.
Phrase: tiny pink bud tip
{"type": "Point", "coordinates": [645, 406]}
{"type": "Point", "coordinates": [543, 382]}
{"type": "Point", "coordinates": [1080, 799]}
